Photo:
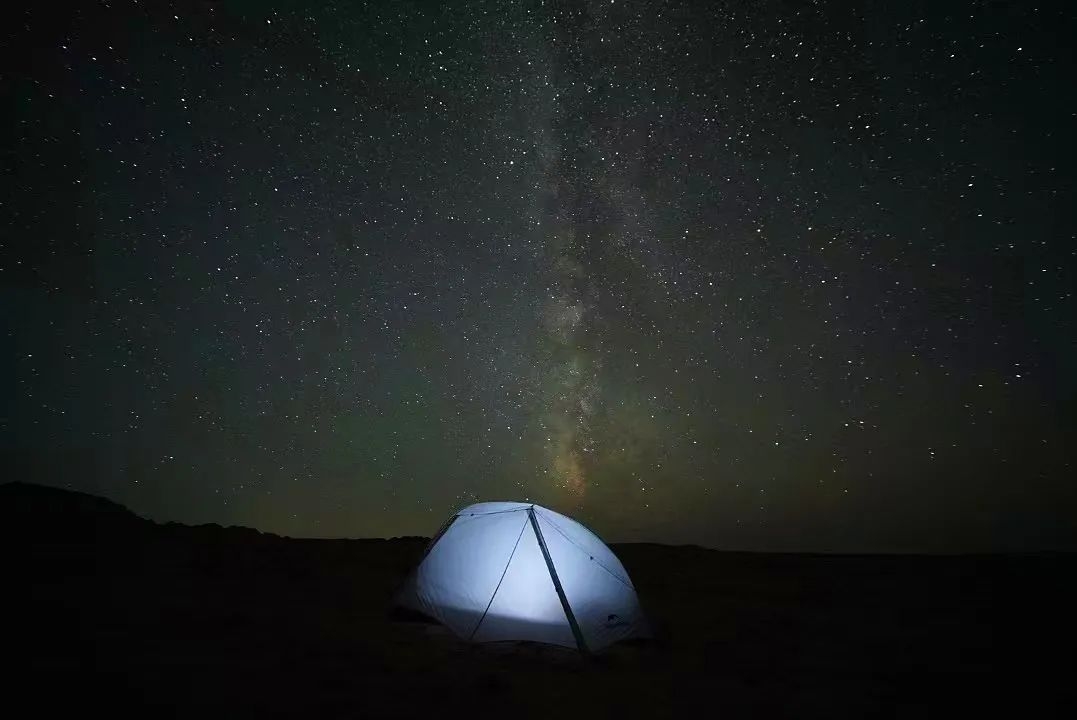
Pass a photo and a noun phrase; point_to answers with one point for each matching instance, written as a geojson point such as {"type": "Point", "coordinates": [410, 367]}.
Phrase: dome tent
{"type": "Point", "coordinates": [518, 571]}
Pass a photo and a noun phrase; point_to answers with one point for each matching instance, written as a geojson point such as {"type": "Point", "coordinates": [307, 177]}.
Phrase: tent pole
{"type": "Point", "coordinates": [557, 583]}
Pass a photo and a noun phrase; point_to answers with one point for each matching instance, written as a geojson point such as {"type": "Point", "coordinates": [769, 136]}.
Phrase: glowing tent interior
{"type": "Point", "coordinates": [517, 571]}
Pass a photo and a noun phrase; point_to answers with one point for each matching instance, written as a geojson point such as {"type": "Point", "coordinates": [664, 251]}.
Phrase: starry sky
{"type": "Point", "coordinates": [753, 275]}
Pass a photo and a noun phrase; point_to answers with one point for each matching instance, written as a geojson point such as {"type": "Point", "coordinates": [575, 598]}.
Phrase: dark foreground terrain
{"type": "Point", "coordinates": [115, 616]}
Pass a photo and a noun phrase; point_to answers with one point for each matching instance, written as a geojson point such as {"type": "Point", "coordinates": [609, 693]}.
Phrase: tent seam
{"type": "Point", "coordinates": [503, 573]}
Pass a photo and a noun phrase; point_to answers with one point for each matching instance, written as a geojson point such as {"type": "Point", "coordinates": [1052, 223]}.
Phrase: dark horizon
{"type": "Point", "coordinates": [58, 512]}
{"type": "Point", "coordinates": [781, 276]}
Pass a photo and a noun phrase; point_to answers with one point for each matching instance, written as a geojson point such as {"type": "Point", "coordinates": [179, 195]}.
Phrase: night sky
{"type": "Point", "coordinates": [753, 275]}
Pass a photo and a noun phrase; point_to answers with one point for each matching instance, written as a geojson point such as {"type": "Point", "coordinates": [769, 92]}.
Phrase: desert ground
{"type": "Point", "coordinates": [114, 615]}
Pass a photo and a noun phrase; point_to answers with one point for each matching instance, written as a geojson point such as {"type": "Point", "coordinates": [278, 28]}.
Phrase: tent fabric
{"type": "Point", "coordinates": [517, 571]}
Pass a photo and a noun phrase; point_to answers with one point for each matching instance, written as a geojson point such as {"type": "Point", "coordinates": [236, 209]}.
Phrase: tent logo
{"type": "Point", "coordinates": [613, 621]}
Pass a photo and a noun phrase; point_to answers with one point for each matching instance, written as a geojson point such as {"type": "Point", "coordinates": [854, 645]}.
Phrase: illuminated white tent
{"type": "Point", "coordinates": [517, 571]}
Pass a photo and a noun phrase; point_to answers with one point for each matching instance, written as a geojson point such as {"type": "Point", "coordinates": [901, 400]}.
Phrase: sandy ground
{"type": "Point", "coordinates": [115, 614]}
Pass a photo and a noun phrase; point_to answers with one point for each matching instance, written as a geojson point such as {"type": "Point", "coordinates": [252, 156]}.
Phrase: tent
{"type": "Point", "coordinates": [518, 571]}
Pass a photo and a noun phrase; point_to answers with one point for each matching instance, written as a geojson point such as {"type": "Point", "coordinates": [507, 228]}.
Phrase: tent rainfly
{"type": "Point", "coordinates": [517, 571]}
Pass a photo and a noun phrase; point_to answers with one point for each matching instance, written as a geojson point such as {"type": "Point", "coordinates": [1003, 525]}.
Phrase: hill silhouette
{"type": "Point", "coordinates": [115, 612]}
